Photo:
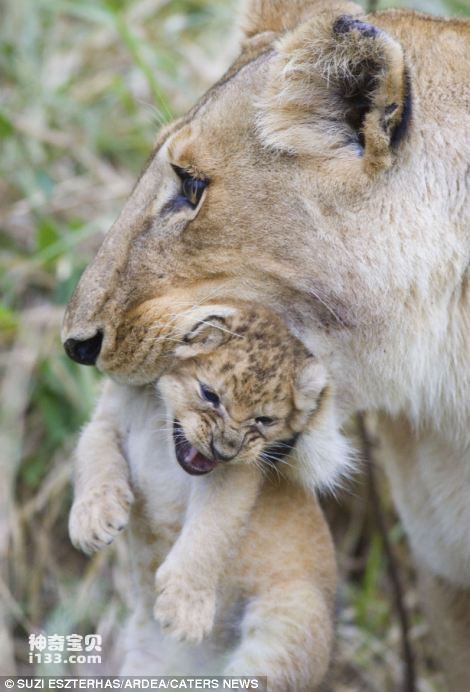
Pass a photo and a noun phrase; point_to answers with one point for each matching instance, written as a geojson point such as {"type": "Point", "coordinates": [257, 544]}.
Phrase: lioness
{"type": "Point", "coordinates": [324, 176]}
{"type": "Point", "coordinates": [245, 548]}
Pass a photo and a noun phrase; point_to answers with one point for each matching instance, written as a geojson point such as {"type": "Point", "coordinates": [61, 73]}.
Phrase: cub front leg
{"type": "Point", "coordinates": [103, 496]}
{"type": "Point", "coordinates": [187, 581]}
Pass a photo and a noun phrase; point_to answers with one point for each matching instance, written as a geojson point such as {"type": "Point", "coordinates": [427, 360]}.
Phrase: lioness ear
{"type": "Point", "coordinates": [339, 87]}
{"type": "Point", "coordinates": [204, 337]}
{"type": "Point", "coordinates": [311, 381]}
{"type": "Point", "coordinates": [258, 16]}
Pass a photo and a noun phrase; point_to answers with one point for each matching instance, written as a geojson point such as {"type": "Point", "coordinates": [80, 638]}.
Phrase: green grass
{"type": "Point", "coordinates": [85, 85]}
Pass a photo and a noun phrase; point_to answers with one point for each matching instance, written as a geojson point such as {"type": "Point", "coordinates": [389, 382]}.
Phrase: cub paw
{"type": "Point", "coordinates": [98, 516]}
{"type": "Point", "coordinates": [184, 610]}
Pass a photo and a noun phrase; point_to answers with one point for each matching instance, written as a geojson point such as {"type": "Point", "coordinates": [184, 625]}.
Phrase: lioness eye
{"type": "Point", "coordinates": [209, 395]}
{"type": "Point", "coordinates": [264, 420]}
{"type": "Point", "coordinates": [191, 188]}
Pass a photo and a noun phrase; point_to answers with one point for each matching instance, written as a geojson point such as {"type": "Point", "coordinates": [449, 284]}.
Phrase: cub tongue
{"type": "Point", "coordinates": [198, 461]}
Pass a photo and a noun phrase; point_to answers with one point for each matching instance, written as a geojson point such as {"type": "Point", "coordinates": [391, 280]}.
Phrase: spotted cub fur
{"type": "Point", "coordinates": [233, 558]}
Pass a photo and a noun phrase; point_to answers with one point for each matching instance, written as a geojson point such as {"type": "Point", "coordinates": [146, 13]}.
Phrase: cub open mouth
{"type": "Point", "coordinates": [188, 457]}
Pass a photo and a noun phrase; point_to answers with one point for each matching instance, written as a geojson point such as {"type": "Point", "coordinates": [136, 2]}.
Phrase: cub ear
{"type": "Point", "coordinates": [338, 88]}
{"type": "Point", "coordinates": [204, 337]}
{"type": "Point", "coordinates": [310, 383]}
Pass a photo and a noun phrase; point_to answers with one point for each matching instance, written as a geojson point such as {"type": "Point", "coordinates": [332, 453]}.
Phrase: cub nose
{"type": "Point", "coordinates": [221, 456]}
{"type": "Point", "coordinates": [84, 352]}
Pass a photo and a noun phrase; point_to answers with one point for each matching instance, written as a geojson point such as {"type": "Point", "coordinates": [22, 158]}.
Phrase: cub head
{"type": "Point", "coordinates": [243, 391]}
{"type": "Point", "coordinates": [252, 194]}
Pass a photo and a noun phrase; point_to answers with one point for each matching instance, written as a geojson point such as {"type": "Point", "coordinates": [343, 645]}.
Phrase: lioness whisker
{"type": "Point", "coordinates": [328, 307]}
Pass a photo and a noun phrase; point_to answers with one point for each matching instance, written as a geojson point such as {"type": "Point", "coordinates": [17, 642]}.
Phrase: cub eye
{"type": "Point", "coordinates": [264, 420]}
{"type": "Point", "coordinates": [210, 396]}
{"type": "Point", "coordinates": [191, 188]}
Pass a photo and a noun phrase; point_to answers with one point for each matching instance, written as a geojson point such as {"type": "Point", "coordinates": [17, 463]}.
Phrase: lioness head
{"type": "Point", "coordinates": [272, 189]}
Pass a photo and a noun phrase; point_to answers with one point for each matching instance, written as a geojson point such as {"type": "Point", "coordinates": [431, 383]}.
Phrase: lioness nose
{"type": "Point", "coordinates": [84, 352]}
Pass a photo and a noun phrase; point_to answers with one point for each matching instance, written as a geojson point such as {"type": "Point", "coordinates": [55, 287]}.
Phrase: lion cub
{"type": "Point", "coordinates": [245, 570]}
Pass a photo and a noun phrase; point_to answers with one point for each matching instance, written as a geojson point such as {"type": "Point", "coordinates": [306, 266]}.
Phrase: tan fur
{"type": "Point", "coordinates": [428, 493]}
{"type": "Point", "coordinates": [448, 610]}
{"type": "Point", "coordinates": [360, 244]}
{"type": "Point", "coordinates": [227, 552]}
